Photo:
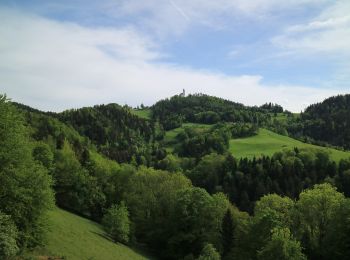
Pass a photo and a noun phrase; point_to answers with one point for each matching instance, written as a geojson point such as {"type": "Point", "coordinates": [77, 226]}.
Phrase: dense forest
{"type": "Point", "coordinates": [328, 121]}
{"type": "Point", "coordinates": [194, 201]}
{"type": "Point", "coordinates": [200, 108]}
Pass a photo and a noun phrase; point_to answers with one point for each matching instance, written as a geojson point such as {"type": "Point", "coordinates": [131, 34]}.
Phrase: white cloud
{"type": "Point", "coordinates": [175, 17]}
{"type": "Point", "coordinates": [53, 66]}
{"type": "Point", "coordinates": [329, 32]}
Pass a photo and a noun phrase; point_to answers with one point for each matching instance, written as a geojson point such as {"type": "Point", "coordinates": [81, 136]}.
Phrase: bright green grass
{"type": "Point", "coordinates": [282, 117]}
{"type": "Point", "coordinates": [143, 113]}
{"type": "Point", "coordinates": [77, 238]}
{"type": "Point", "coordinates": [267, 143]}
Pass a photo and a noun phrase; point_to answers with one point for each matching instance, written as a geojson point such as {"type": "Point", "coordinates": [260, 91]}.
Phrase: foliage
{"type": "Point", "coordinates": [227, 232]}
{"type": "Point", "coordinates": [25, 187]}
{"type": "Point", "coordinates": [209, 253]}
{"type": "Point", "coordinates": [337, 240]}
{"type": "Point", "coordinates": [183, 210]}
{"type": "Point", "coordinates": [272, 108]}
{"type": "Point", "coordinates": [197, 143]}
{"type": "Point", "coordinates": [117, 224]}
{"type": "Point", "coordinates": [281, 246]}
{"type": "Point", "coordinates": [327, 122]}
{"type": "Point", "coordinates": [315, 210]}
{"type": "Point", "coordinates": [115, 130]}
{"type": "Point", "coordinates": [206, 109]}
{"type": "Point", "coordinates": [196, 220]}
{"type": "Point", "coordinates": [150, 197]}
{"type": "Point", "coordinates": [8, 237]}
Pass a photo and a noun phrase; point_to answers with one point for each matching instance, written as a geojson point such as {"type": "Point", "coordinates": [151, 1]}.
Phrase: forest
{"type": "Point", "coordinates": [169, 183]}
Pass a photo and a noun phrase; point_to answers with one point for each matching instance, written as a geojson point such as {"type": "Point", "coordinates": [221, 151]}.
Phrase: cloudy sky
{"type": "Point", "coordinates": [62, 54]}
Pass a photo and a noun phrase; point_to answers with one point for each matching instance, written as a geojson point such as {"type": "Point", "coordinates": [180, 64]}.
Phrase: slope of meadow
{"type": "Point", "coordinates": [267, 143]}
{"type": "Point", "coordinates": [75, 238]}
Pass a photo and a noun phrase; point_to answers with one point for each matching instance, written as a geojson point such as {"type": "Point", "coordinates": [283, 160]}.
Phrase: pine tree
{"type": "Point", "coordinates": [227, 232]}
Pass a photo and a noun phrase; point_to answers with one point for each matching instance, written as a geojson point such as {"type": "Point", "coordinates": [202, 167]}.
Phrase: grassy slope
{"type": "Point", "coordinates": [267, 143]}
{"type": "Point", "coordinates": [78, 238]}
{"type": "Point", "coordinates": [143, 113]}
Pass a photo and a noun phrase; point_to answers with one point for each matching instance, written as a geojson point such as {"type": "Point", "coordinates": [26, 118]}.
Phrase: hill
{"type": "Point", "coordinates": [200, 108]}
{"type": "Point", "coordinates": [115, 130]}
{"type": "Point", "coordinates": [327, 122]}
{"type": "Point", "coordinates": [75, 238]}
{"type": "Point", "coordinates": [268, 143]}
{"type": "Point", "coordinates": [169, 189]}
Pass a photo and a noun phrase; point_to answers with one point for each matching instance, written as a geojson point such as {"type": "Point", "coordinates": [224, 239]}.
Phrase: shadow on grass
{"type": "Point", "coordinates": [140, 249]}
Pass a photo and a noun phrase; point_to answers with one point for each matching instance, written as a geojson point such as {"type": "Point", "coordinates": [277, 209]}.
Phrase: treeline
{"type": "Point", "coordinates": [193, 205]}
{"type": "Point", "coordinates": [108, 129]}
{"type": "Point", "coordinates": [116, 132]}
{"type": "Point", "coordinates": [197, 142]}
{"type": "Point", "coordinates": [286, 173]}
{"type": "Point", "coordinates": [25, 186]}
{"type": "Point", "coordinates": [324, 124]}
{"type": "Point", "coordinates": [200, 108]}
{"type": "Point", "coordinates": [328, 121]}
{"type": "Point", "coordinates": [272, 108]}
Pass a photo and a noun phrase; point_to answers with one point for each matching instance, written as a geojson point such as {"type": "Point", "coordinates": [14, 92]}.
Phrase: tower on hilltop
{"type": "Point", "coordinates": [183, 94]}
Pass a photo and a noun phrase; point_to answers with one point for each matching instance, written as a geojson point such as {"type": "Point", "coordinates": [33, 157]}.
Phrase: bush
{"type": "Point", "coordinates": [117, 224]}
{"type": "Point", "coordinates": [209, 253]}
{"type": "Point", "coordinates": [8, 236]}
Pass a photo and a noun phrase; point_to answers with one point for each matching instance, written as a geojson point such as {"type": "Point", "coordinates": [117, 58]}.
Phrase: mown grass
{"type": "Point", "coordinates": [143, 113]}
{"type": "Point", "coordinates": [75, 238]}
{"type": "Point", "coordinates": [267, 143]}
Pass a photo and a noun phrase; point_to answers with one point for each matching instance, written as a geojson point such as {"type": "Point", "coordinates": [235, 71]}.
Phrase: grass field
{"type": "Point", "coordinates": [267, 143]}
{"type": "Point", "coordinates": [143, 113]}
{"type": "Point", "coordinates": [76, 238]}
{"type": "Point", "coordinates": [282, 117]}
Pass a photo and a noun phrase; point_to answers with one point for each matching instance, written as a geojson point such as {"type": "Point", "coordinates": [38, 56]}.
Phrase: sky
{"type": "Point", "coordinates": [57, 55]}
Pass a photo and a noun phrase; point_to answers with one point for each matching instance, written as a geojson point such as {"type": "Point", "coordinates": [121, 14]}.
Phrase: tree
{"type": "Point", "coordinates": [196, 220]}
{"type": "Point", "coordinates": [343, 182]}
{"type": "Point", "coordinates": [70, 180]}
{"type": "Point", "coordinates": [151, 196]}
{"type": "Point", "coordinates": [209, 253]}
{"type": "Point", "coordinates": [337, 239]}
{"type": "Point", "coordinates": [25, 186]}
{"type": "Point", "coordinates": [281, 207]}
{"type": "Point", "coordinates": [282, 246]}
{"type": "Point", "coordinates": [314, 212]}
{"type": "Point", "coordinates": [8, 237]}
{"type": "Point", "coordinates": [117, 224]}
{"type": "Point", "coordinates": [227, 232]}
{"type": "Point", "coordinates": [43, 154]}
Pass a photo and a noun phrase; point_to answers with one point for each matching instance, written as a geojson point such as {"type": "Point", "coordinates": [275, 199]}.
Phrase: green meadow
{"type": "Point", "coordinates": [268, 142]}
{"type": "Point", "coordinates": [143, 113]}
{"type": "Point", "coordinates": [75, 238]}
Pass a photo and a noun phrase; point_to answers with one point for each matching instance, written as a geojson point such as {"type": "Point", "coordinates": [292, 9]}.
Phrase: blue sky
{"type": "Point", "coordinates": [56, 55]}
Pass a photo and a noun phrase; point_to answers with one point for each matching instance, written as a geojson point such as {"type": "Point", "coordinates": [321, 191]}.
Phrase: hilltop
{"type": "Point", "coordinates": [181, 178]}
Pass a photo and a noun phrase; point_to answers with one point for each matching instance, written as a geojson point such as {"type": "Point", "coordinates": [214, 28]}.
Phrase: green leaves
{"type": "Point", "coordinates": [314, 212]}
{"type": "Point", "coordinates": [117, 224]}
{"type": "Point", "coordinates": [8, 236]}
{"type": "Point", "coordinates": [25, 186]}
{"type": "Point", "coordinates": [209, 253]}
{"type": "Point", "coordinates": [282, 246]}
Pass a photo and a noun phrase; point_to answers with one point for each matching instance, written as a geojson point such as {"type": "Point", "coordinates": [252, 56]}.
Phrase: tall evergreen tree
{"type": "Point", "coordinates": [227, 232]}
